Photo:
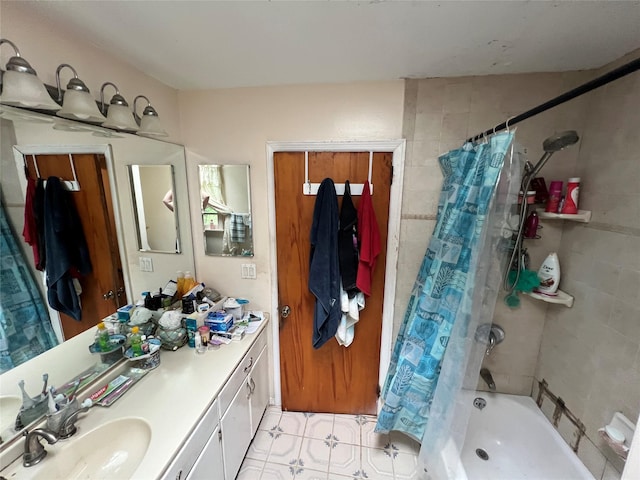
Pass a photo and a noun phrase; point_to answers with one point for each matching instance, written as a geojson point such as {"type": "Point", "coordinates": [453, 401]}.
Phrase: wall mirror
{"type": "Point", "coordinates": [226, 210]}
{"type": "Point", "coordinates": [155, 208]}
{"type": "Point", "coordinates": [24, 134]}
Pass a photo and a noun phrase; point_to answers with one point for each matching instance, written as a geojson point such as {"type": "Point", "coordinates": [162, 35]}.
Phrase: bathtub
{"type": "Point", "coordinates": [519, 443]}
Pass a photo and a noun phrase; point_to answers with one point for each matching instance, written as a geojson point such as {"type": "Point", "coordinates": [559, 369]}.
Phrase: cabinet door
{"type": "Point", "coordinates": [236, 431]}
{"type": "Point", "coordinates": [259, 382]}
{"type": "Point", "coordinates": [208, 466]}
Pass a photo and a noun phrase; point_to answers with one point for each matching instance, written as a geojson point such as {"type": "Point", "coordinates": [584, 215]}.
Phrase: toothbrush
{"type": "Point", "coordinates": [45, 378]}
{"type": "Point", "coordinates": [75, 389]}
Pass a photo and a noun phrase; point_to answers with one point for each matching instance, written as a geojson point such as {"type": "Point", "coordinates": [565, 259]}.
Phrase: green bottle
{"type": "Point", "coordinates": [102, 338]}
{"type": "Point", "coordinates": [136, 342]}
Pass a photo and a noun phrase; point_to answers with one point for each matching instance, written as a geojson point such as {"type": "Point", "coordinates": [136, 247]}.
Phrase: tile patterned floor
{"type": "Point", "coordinates": [314, 446]}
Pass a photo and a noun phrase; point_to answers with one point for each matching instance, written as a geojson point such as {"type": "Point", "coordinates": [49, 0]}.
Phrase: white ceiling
{"type": "Point", "coordinates": [213, 44]}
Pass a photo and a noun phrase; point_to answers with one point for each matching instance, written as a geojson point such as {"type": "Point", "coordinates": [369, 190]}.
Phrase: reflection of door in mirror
{"type": "Point", "coordinates": [226, 210]}
{"type": "Point", "coordinates": [155, 208]}
{"type": "Point", "coordinates": [102, 289]}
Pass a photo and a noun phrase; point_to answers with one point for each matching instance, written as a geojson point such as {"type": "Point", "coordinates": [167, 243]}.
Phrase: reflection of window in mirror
{"type": "Point", "coordinates": [226, 210]}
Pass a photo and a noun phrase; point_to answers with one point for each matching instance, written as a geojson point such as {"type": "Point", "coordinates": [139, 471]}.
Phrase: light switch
{"type": "Point", "coordinates": [146, 264]}
{"type": "Point", "coordinates": [248, 271]}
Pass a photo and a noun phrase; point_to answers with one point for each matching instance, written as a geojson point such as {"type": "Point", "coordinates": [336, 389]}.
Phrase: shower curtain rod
{"type": "Point", "coordinates": [615, 74]}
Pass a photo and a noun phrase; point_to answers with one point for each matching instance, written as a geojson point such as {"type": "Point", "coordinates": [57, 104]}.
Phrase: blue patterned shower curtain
{"type": "Point", "coordinates": [25, 327]}
{"type": "Point", "coordinates": [445, 283]}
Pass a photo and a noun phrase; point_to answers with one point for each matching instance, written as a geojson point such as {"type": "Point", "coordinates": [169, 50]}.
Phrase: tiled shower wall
{"type": "Point", "coordinates": [440, 113]}
{"type": "Point", "coordinates": [590, 354]}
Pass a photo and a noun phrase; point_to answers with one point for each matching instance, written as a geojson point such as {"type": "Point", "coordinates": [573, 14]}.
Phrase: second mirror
{"type": "Point", "coordinates": [226, 210]}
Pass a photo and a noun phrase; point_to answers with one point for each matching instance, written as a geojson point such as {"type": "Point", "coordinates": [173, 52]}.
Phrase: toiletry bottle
{"type": "Point", "coordinates": [136, 342]}
{"type": "Point", "coordinates": [571, 199]}
{"type": "Point", "coordinates": [549, 275]}
{"type": "Point", "coordinates": [102, 338]}
{"type": "Point", "coordinates": [180, 282]}
{"type": "Point", "coordinates": [555, 195]}
{"type": "Point", "coordinates": [531, 225]}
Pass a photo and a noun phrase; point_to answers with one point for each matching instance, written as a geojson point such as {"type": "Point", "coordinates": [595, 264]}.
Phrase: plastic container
{"type": "Point", "coordinates": [571, 198]}
{"type": "Point", "coordinates": [549, 275]}
{"type": "Point", "coordinates": [180, 281]}
{"type": "Point", "coordinates": [189, 282]}
{"type": "Point", "coordinates": [555, 195]}
{"type": "Point", "coordinates": [136, 342]}
{"type": "Point", "coordinates": [531, 197]}
{"type": "Point", "coordinates": [102, 338]}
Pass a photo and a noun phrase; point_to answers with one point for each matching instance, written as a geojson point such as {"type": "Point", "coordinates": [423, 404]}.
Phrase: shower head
{"type": "Point", "coordinates": [560, 141]}
{"type": "Point", "coordinates": [551, 145]}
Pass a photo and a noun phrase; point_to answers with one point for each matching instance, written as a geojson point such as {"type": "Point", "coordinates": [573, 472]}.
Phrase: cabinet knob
{"type": "Point", "coordinates": [109, 295]}
{"type": "Point", "coordinates": [285, 311]}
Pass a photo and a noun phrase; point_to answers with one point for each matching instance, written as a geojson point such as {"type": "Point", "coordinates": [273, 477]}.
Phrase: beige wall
{"type": "Point", "coordinates": [232, 126]}
{"type": "Point", "coordinates": [46, 45]}
{"type": "Point", "coordinates": [440, 114]}
{"type": "Point", "coordinates": [590, 354]}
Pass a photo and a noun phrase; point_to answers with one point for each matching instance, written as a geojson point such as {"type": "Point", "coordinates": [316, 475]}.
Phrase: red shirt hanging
{"type": "Point", "coordinates": [369, 240]}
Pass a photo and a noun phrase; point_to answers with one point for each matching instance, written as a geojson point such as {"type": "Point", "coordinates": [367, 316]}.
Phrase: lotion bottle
{"type": "Point", "coordinates": [549, 275]}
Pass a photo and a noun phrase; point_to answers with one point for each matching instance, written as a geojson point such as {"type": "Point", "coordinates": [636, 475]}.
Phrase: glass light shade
{"type": "Point", "coordinates": [120, 118]}
{"type": "Point", "coordinates": [150, 127]}
{"type": "Point", "coordinates": [79, 105]}
{"type": "Point", "coordinates": [25, 90]}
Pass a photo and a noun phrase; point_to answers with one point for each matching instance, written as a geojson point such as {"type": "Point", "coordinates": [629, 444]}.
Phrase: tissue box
{"type": "Point", "coordinates": [124, 313]}
{"type": "Point", "coordinates": [219, 321]}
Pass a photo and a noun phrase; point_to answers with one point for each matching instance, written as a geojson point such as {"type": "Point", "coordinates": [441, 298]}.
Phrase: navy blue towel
{"type": "Point", "coordinates": [348, 243]}
{"type": "Point", "coordinates": [66, 249]}
{"type": "Point", "coordinates": [324, 267]}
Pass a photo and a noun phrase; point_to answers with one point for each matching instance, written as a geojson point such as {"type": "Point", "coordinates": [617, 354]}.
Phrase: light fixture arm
{"type": "Point", "coordinates": [74, 84]}
{"type": "Point", "coordinates": [148, 110]}
{"type": "Point", "coordinates": [17, 63]}
{"type": "Point", "coordinates": [117, 99]}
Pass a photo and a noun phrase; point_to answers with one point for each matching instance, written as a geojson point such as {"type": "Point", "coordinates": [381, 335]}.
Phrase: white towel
{"type": "Point", "coordinates": [350, 316]}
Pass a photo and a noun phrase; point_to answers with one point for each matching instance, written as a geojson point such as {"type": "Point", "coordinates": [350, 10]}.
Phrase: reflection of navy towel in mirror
{"type": "Point", "coordinates": [324, 269]}
{"type": "Point", "coordinates": [66, 249]}
{"type": "Point", "coordinates": [237, 228]}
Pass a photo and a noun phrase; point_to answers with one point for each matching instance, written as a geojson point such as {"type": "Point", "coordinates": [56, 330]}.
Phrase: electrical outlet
{"type": "Point", "coordinates": [248, 271]}
{"type": "Point", "coordinates": [146, 264]}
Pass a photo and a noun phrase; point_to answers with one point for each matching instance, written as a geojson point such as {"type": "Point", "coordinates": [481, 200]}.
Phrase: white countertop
{"type": "Point", "coordinates": [171, 399]}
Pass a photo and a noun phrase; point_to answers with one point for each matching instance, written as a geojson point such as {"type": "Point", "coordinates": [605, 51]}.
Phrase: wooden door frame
{"type": "Point", "coordinates": [19, 151]}
{"type": "Point", "coordinates": [397, 147]}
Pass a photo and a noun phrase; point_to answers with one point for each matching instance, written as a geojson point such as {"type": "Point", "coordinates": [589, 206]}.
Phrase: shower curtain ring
{"type": "Point", "coordinates": [507, 122]}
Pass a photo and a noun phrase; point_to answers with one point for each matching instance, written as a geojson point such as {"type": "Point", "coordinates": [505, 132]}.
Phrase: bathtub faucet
{"type": "Point", "coordinates": [488, 378]}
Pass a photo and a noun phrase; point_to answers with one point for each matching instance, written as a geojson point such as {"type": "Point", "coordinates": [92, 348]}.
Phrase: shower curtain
{"type": "Point", "coordinates": [25, 327]}
{"type": "Point", "coordinates": [444, 298]}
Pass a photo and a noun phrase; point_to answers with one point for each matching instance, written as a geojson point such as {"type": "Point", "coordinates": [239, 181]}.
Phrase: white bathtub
{"type": "Point", "coordinates": [520, 443]}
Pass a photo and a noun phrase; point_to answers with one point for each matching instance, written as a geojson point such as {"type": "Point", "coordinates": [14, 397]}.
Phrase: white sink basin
{"type": "Point", "coordinates": [112, 450]}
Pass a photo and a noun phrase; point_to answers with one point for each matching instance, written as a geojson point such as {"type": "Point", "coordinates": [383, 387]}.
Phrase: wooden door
{"type": "Point", "coordinates": [95, 208]}
{"type": "Point", "coordinates": [333, 378]}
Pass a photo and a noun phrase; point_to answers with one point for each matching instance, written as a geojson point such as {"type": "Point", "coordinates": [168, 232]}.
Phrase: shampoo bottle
{"type": "Point", "coordinates": [549, 275]}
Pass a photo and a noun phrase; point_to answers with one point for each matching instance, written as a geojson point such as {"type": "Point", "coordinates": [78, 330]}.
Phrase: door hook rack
{"type": "Point", "coordinates": [309, 188]}
{"type": "Point", "coordinates": [70, 185]}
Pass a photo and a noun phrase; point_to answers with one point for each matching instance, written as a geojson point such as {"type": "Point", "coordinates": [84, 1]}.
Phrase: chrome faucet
{"type": "Point", "coordinates": [488, 378]}
{"type": "Point", "coordinates": [34, 452]}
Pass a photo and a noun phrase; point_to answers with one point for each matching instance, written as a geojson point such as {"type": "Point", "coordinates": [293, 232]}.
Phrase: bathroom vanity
{"type": "Point", "coordinates": [192, 417]}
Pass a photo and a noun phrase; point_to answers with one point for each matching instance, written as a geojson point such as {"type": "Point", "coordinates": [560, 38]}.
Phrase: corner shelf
{"type": "Point", "coordinates": [563, 298]}
{"type": "Point", "coordinates": [583, 216]}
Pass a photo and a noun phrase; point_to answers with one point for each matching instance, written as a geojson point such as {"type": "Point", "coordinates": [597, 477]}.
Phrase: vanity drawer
{"type": "Point", "coordinates": [241, 372]}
